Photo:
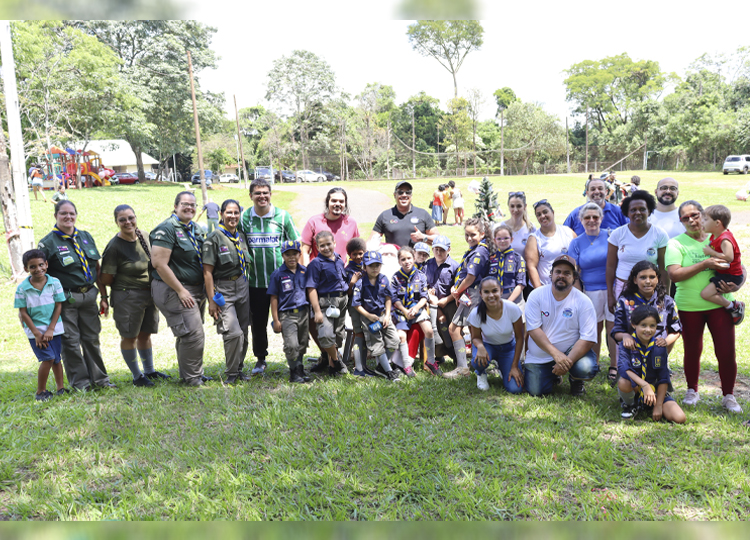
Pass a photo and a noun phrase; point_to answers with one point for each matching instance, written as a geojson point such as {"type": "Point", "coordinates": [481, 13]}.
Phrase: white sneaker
{"type": "Point", "coordinates": [482, 383]}
{"type": "Point", "coordinates": [730, 404]}
{"type": "Point", "coordinates": [691, 397]}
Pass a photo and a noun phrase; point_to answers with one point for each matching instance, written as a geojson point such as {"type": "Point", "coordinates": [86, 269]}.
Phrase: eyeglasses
{"type": "Point", "coordinates": [188, 204]}
{"type": "Point", "coordinates": [591, 218]}
{"type": "Point", "coordinates": [538, 203]}
{"type": "Point", "coordinates": [691, 217]}
{"type": "Point", "coordinates": [669, 188]}
{"type": "Point", "coordinates": [401, 192]}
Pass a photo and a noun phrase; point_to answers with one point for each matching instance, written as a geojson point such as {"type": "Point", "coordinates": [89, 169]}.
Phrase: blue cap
{"type": "Point", "coordinates": [421, 246]}
{"type": "Point", "coordinates": [290, 244]}
{"type": "Point", "coordinates": [441, 241]}
{"type": "Point", "coordinates": [372, 257]}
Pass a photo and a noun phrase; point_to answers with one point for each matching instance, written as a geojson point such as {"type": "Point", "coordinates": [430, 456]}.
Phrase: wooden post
{"type": "Point", "coordinates": [567, 146]}
{"type": "Point", "coordinates": [587, 140]}
{"type": "Point", "coordinates": [202, 173]}
{"type": "Point", "coordinates": [239, 138]}
{"type": "Point", "coordinates": [413, 145]}
{"type": "Point", "coordinates": [502, 143]}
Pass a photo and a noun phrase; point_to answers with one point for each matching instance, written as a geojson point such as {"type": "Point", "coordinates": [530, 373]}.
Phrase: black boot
{"type": "Point", "coordinates": [301, 373]}
{"type": "Point", "coordinates": [294, 376]}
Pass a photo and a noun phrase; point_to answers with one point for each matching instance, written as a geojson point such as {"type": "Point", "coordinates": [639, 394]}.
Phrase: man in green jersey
{"type": "Point", "coordinates": [265, 227]}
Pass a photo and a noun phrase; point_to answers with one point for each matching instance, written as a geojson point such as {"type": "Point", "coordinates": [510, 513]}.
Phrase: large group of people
{"type": "Point", "coordinates": [531, 300]}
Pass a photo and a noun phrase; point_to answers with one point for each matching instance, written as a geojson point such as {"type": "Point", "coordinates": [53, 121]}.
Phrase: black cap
{"type": "Point", "coordinates": [565, 259]}
{"type": "Point", "coordinates": [403, 183]}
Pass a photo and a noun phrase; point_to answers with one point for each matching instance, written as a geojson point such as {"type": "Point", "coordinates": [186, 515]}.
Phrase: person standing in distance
{"type": "Point", "coordinates": [265, 227]}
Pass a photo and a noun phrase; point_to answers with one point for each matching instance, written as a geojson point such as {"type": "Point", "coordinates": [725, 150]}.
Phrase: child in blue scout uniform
{"type": "Point", "coordinates": [372, 300]}
{"type": "Point", "coordinates": [644, 371]}
{"type": "Point", "coordinates": [440, 272]}
{"type": "Point", "coordinates": [409, 287]}
{"type": "Point", "coordinates": [328, 290]}
{"type": "Point", "coordinates": [355, 249]}
{"type": "Point", "coordinates": [290, 308]}
{"type": "Point", "coordinates": [474, 267]}
{"type": "Point", "coordinates": [421, 254]}
{"type": "Point", "coordinates": [644, 288]}
{"type": "Point", "coordinates": [508, 266]}
{"type": "Point", "coordinates": [39, 301]}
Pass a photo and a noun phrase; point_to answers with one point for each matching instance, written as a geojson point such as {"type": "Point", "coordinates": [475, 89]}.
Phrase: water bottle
{"type": "Point", "coordinates": [219, 299]}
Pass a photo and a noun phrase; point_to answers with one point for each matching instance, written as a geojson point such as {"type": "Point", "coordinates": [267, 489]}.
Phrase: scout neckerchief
{"type": "Point", "coordinates": [235, 238]}
{"type": "Point", "coordinates": [501, 257]}
{"type": "Point", "coordinates": [642, 300]}
{"type": "Point", "coordinates": [642, 354]}
{"type": "Point", "coordinates": [420, 266]}
{"type": "Point", "coordinates": [189, 230]}
{"type": "Point", "coordinates": [411, 285]}
{"type": "Point", "coordinates": [77, 247]}
{"type": "Point", "coordinates": [465, 258]}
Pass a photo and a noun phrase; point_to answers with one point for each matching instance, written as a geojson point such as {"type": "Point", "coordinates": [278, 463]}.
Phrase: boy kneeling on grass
{"type": "Point", "coordinates": [644, 371]}
{"type": "Point", "coordinates": [39, 301]}
{"type": "Point", "coordinates": [290, 309]}
{"type": "Point", "coordinates": [372, 299]}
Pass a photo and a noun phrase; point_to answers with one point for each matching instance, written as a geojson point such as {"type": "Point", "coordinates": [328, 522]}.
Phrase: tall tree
{"type": "Point", "coordinates": [533, 134]}
{"type": "Point", "coordinates": [476, 100]}
{"type": "Point", "coordinates": [302, 82]}
{"type": "Point", "coordinates": [457, 128]}
{"type": "Point", "coordinates": [448, 42]}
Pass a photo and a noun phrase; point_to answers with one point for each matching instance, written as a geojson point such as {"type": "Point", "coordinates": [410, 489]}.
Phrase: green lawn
{"type": "Point", "coordinates": [359, 449]}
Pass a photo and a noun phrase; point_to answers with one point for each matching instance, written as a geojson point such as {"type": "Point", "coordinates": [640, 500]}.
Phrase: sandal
{"type": "Point", "coordinates": [612, 376]}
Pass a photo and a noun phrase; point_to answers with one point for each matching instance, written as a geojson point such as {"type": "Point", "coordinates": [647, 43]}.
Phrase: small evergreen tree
{"type": "Point", "coordinates": [486, 204]}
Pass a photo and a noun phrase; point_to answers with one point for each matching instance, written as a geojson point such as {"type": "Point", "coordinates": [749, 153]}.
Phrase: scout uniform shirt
{"type": "Point", "coordinates": [128, 262]}
{"type": "Point", "coordinates": [409, 290]}
{"type": "Point", "coordinates": [63, 262]}
{"type": "Point", "coordinates": [184, 261]}
{"type": "Point", "coordinates": [509, 269]}
{"type": "Point", "coordinates": [669, 323]}
{"type": "Point", "coordinates": [326, 275]}
{"type": "Point", "coordinates": [440, 277]}
{"type": "Point", "coordinates": [372, 297]}
{"type": "Point", "coordinates": [289, 287]}
{"type": "Point", "coordinates": [657, 369]}
{"type": "Point", "coordinates": [220, 252]}
{"type": "Point", "coordinates": [476, 262]}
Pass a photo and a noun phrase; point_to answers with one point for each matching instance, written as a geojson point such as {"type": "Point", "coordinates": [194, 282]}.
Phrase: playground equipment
{"type": "Point", "coordinates": [64, 165]}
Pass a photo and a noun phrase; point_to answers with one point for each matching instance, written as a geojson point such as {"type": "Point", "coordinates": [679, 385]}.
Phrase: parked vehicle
{"type": "Point", "coordinates": [330, 177]}
{"type": "Point", "coordinates": [739, 164]}
{"type": "Point", "coordinates": [149, 175]}
{"type": "Point", "coordinates": [229, 177]}
{"type": "Point", "coordinates": [124, 178]}
{"type": "Point", "coordinates": [284, 176]}
{"type": "Point", "coordinates": [310, 176]}
{"type": "Point", "coordinates": [196, 178]}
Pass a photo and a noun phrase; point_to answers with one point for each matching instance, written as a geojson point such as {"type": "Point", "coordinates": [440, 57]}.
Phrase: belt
{"type": "Point", "coordinates": [332, 295]}
{"type": "Point", "coordinates": [81, 290]}
{"type": "Point", "coordinates": [233, 278]}
{"type": "Point", "coordinates": [295, 310]}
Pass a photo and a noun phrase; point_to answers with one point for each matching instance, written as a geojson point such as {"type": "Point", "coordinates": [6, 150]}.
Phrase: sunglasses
{"type": "Point", "coordinates": [401, 192]}
{"type": "Point", "coordinates": [543, 201]}
{"type": "Point", "coordinates": [691, 217]}
{"type": "Point", "coordinates": [520, 194]}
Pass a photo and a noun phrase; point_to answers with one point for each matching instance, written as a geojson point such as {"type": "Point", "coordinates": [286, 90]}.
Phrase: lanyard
{"type": "Point", "coordinates": [77, 247]}
{"type": "Point", "coordinates": [238, 246]}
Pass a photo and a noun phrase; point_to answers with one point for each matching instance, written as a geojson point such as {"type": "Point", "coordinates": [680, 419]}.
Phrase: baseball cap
{"type": "Point", "coordinates": [567, 259]}
{"type": "Point", "coordinates": [372, 257]}
{"type": "Point", "coordinates": [440, 241]}
{"type": "Point", "coordinates": [421, 246]}
{"type": "Point", "coordinates": [403, 183]}
{"type": "Point", "coordinates": [290, 244]}
{"type": "Point", "coordinates": [604, 175]}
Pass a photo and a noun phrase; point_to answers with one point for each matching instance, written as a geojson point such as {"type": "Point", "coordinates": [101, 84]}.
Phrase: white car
{"type": "Point", "coordinates": [149, 175]}
{"type": "Point", "coordinates": [738, 164]}
{"type": "Point", "coordinates": [310, 176]}
{"type": "Point", "coordinates": [229, 177]}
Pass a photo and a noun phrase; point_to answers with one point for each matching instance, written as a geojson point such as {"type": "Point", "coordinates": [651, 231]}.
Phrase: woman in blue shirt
{"type": "Point", "coordinates": [590, 252]}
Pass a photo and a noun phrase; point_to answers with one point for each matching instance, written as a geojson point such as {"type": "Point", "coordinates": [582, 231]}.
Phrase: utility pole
{"type": "Point", "coordinates": [239, 138]}
{"type": "Point", "coordinates": [437, 168]}
{"type": "Point", "coordinates": [202, 173]}
{"type": "Point", "coordinates": [16, 204]}
{"type": "Point", "coordinates": [645, 151]}
{"type": "Point", "coordinates": [413, 145]}
{"type": "Point", "coordinates": [502, 142]}
{"type": "Point", "coordinates": [567, 145]}
{"type": "Point", "coordinates": [587, 140]}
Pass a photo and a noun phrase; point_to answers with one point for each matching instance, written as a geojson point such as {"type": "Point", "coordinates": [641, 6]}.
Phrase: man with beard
{"type": "Point", "coordinates": [596, 192]}
{"type": "Point", "coordinates": [335, 219]}
{"type": "Point", "coordinates": [666, 213]}
{"type": "Point", "coordinates": [561, 322]}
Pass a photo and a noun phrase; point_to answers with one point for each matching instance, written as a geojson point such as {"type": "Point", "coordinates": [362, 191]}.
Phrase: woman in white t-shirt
{"type": "Point", "coordinates": [458, 203]}
{"type": "Point", "coordinates": [497, 335]}
{"type": "Point", "coordinates": [545, 244]}
{"type": "Point", "coordinates": [519, 221]}
{"type": "Point", "coordinates": [637, 241]}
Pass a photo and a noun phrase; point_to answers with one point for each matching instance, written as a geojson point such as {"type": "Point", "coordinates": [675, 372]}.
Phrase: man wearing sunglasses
{"type": "Point", "coordinates": [596, 192]}
{"type": "Point", "coordinates": [666, 214]}
{"type": "Point", "coordinates": [404, 224]}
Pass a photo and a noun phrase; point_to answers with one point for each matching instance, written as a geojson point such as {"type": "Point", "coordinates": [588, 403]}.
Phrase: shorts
{"type": "Point", "coordinates": [53, 351]}
{"type": "Point", "coordinates": [729, 278]}
{"type": "Point", "coordinates": [381, 341]}
{"type": "Point", "coordinates": [134, 312]}
{"type": "Point", "coordinates": [403, 324]}
{"type": "Point", "coordinates": [358, 325]}
{"type": "Point", "coordinates": [37, 183]}
{"type": "Point", "coordinates": [601, 305]}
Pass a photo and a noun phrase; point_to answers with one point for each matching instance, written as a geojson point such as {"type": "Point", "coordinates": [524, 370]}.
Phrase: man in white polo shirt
{"type": "Point", "coordinates": [561, 322]}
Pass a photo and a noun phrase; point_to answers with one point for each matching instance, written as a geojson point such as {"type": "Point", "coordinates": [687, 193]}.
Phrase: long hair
{"type": "Point", "coordinates": [484, 227]}
{"type": "Point", "coordinates": [631, 287]}
{"type": "Point", "coordinates": [138, 233]}
{"type": "Point", "coordinates": [481, 306]}
{"type": "Point", "coordinates": [522, 196]}
{"type": "Point", "coordinates": [346, 199]}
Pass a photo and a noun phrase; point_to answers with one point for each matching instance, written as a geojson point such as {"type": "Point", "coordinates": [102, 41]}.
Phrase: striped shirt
{"type": "Point", "coordinates": [40, 305]}
{"type": "Point", "coordinates": [264, 238]}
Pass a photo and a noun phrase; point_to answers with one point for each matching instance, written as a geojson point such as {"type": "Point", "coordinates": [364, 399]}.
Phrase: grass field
{"type": "Point", "coordinates": [359, 449]}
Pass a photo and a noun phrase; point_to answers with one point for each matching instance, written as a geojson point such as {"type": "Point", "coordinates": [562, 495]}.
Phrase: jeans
{"type": "Point", "coordinates": [503, 356]}
{"type": "Point", "coordinates": [212, 224]}
{"type": "Point", "coordinates": [539, 379]}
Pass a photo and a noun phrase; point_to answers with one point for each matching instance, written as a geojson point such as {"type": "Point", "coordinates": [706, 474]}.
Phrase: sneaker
{"type": "Point", "coordinates": [369, 372]}
{"type": "Point", "coordinates": [302, 373]}
{"type": "Point", "coordinates": [44, 396]}
{"type": "Point", "coordinates": [363, 373]}
{"type": "Point", "coordinates": [244, 376]}
{"type": "Point", "coordinates": [231, 379]}
{"type": "Point", "coordinates": [434, 369]}
{"type": "Point", "coordinates": [738, 312]}
{"type": "Point", "coordinates": [62, 392]}
{"type": "Point", "coordinates": [628, 410]}
{"type": "Point", "coordinates": [457, 373]}
{"type": "Point", "coordinates": [157, 375]}
{"type": "Point", "coordinates": [577, 388]}
{"type": "Point", "coordinates": [320, 367]}
{"type": "Point", "coordinates": [334, 371]}
{"type": "Point", "coordinates": [409, 372]}
{"type": "Point", "coordinates": [142, 381]}
{"type": "Point", "coordinates": [482, 383]}
{"type": "Point", "coordinates": [380, 372]}
{"type": "Point", "coordinates": [341, 367]}
{"type": "Point", "coordinates": [392, 376]}
{"type": "Point", "coordinates": [260, 367]}
{"type": "Point", "coordinates": [691, 397]}
{"type": "Point", "coordinates": [108, 385]}
{"type": "Point", "coordinates": [730, 404]}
